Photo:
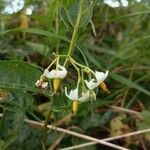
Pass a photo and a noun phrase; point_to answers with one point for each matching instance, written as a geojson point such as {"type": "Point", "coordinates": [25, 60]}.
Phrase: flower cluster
{"type": "Point", "coordinates": [56, 75]}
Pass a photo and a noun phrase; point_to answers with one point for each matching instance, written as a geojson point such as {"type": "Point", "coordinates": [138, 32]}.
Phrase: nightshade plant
{"type": "Point", "coordinates": [76, 95]}
{"type": "Point", "coordinates": [84, 89]}
{"type": "Point", "coordinates": [54, 67]}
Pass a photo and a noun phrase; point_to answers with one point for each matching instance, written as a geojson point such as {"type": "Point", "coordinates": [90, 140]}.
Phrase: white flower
{"type": "Point", "coordinates": [59, 74]}
{"type": "Point", "coordinates": [100, 77]}
{"type": "Point", "coordinates": [73, 95]}
{"type": "Point", "coordinates": [41, 83]}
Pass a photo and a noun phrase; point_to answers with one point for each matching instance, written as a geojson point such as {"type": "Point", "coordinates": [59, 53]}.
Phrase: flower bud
{"type": "Point", "coordinates": [41, 83]}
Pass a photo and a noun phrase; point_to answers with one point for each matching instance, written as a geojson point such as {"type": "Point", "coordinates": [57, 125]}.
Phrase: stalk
{"type": "Point", "coordinates": [75, 31]}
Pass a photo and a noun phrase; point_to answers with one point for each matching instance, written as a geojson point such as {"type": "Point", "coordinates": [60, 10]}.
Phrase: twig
{"type": "Point", "coordinates": [142, 143]}
{"type": "Point", "coordinates": [103, 141]}
{"type": "Point", "coordinates": [126, 110]}
{"type": "Point", "coordinates": [57, 141]}
{"type": "Point", "coordinates": [63, 120]}
{"type": "Point", "coordinates": [95, 140]}
{"type": "Point", "coordinates": [107, 139]}
{"type": "Point", "coordinates": [75, 134]}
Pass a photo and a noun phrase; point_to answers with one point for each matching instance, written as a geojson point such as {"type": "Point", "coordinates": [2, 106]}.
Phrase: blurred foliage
{"type": "Point", "coordinates": [117, 39]}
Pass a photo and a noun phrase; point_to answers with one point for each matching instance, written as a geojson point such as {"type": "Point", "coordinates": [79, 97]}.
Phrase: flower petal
{"type": "Point", "coordinates": [56, 73]}
{"type": "Point", "coordinates": [73, 95]}
{"type": "Point", "coordinates": [41, 83]}
{"type": "Point", "coordinates": [44, 85]}
{"type": "Point", "coordinates": [101, 76]}
{"type": "Point", "coordinates": [63, 71]}
{"type": "Point", "coordinates": [91, 84]}
{"type": "Point", "coordinates": [49, 74]}
{"type": "Point", "coordinates": [60, 74]}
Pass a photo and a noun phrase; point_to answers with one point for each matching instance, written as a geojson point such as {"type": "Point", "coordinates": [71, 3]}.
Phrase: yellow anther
{"type": "Point", "coordinates": [56, 84]}
{"type": "Point", "coordinates": [24, 21]}
{"type": "Point", "coordinates": [103, 87]}
{"type": "Point", "coordinates": [75, 106]}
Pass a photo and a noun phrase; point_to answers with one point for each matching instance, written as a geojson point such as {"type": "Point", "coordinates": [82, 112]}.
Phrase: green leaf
{"type": "Point", "coordinates": [98, 120]}
{"type": "Point", "coordinates": [9, 140]}
{"type": "Point", "coordinates": [69, 12]}
{"type": "Point", "coordinates": [18, 101]}
{"type": "Point", "coordinates": [129, 83]}
{"type": "Point", "coordinates": [1, 144]}
{"type": "Point", "coordinates": [86, 107]}
{"type": "Point", "coordinates": [35, 31]}
{"type": "Point", "coordinates": [129, 15]}
{"type": "Point", "coordinates": [15, 133]}
{"type": "Point", "coordinates": [40, 48]}
{"type": "Point", "coordinates": [145, 122]}
{"type": "Point", "coordinates": [18, 75]}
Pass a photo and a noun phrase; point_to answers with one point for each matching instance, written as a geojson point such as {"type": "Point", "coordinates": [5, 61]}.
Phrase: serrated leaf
{"type": "Point", "coordinates": [18, 101]}
{"type": "Point", "coordinates": [24, 133]}
{"type": "Point", "coordinates": [18, 75]}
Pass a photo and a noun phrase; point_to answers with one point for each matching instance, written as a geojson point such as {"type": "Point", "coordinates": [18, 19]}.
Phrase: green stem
{"type": "Point", "coordinates": [82, 66]}
{"type": "Point", "coordinates": [75, 31]}
{"type": "Point", "coordinates": [78, 71]}
{"type": "Point", "coordinates": [57, 28]}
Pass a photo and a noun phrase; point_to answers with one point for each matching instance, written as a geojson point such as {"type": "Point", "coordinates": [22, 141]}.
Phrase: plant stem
{"type": "Point", "coordinates": [57, 28]}
{"type": "Point", "coordinates": [82, 66]}
{"type": "Point", "coordinates": [78, 71]}
{"type": "Point", "coordinates": [75, 31]}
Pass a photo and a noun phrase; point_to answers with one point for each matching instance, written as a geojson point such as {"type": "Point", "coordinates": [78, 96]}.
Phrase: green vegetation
{"type": "Point", "coordinates": [84, 36]}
